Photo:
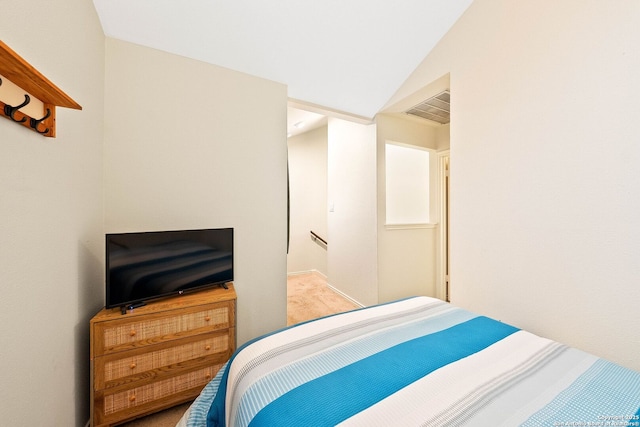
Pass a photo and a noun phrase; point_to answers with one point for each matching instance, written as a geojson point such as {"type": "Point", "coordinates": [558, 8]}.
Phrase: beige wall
{"type": "Point", "coordinates": [443, 137]}
{"type": "Point", "coordinates": [308, 186]}
{"type": "Point", "coordinates": [406, 256]}
{"type": "Point", "coordinates": [352, 210]}
{"type": "Point", "coordinates": [192, 145]}
{"type": "Point", "coordinates": [51, 256]}
{"type": "Point", "coordinates": [545, 232]}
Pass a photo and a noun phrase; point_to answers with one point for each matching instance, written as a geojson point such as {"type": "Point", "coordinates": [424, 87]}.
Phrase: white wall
{"type": "Point", "coordinates": [51, 256]}
{"type": "Point", "coordinates": [179, 154]}
{"type": "Point", "coordinates": [352, 223]}
{"type": "Point", "coordinates": [308, 201]}
{"type": "Point", "coordinates": [443, 137]}
{"type": "Point", "coordinates": [406, 256]}
{"type": "Point", "coordinates": [545, 232]}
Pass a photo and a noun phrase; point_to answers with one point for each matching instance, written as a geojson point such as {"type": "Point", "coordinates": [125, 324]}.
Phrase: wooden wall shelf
{"type": "Point", "coordinates": [21, 73]}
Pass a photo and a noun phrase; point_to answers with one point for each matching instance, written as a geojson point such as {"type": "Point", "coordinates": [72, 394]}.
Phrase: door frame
{"type": "Point", "coordinates": [443, 286]}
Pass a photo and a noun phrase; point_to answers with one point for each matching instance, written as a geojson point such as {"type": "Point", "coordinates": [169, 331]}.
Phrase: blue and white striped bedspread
{"type": "Point", "coordinates": [417, 362]}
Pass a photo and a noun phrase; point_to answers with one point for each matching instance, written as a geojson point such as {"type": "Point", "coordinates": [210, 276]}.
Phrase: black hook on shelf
{"type": "Point", "coordinates": [35, 123]}
{"type": "Point", "coordinates": [10, 111]}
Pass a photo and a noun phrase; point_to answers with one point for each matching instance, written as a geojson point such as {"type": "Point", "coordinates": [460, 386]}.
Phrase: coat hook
{"type": "Point", "coordinates": [10, 111]}
{"type": "Point", "coordinates": [35, 123]}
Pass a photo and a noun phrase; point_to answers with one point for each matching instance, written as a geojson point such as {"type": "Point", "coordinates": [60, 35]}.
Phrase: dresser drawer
{"type": "Point", "coordinates": [134, 332]}
{"type": "Point", "coordinates": [129, 403]}
{"type": "Point", "coordinates": [158, 355]}
{"type": "Point", "coordinates": [125, 369]}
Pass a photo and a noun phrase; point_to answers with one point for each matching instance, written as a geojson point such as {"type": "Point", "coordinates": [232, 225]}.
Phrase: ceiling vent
{"type": "Point", "coordinates": [437, 109]}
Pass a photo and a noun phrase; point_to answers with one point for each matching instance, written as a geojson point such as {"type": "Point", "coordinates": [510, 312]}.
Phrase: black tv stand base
{"type": "Point", "coordinates": [124, 308]}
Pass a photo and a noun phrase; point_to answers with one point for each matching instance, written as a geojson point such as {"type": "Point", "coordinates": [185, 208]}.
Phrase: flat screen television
{"type": "Point", "coordinates": [148, 265]}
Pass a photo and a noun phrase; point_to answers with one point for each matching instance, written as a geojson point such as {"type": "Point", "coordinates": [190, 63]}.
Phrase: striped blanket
{"type": "Point", "coordinates": [415, 362]}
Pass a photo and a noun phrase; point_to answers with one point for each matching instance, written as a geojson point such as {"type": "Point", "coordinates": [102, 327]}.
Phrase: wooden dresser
{"type": "Point", "coordinates": [158, 355]}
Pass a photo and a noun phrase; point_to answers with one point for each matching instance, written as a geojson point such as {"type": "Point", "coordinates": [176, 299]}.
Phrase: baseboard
{"type": "Point", "coordinates": [299, 273]}
{"type": "Point", "coordinates": [345, 296]}
{"type": "Point", "coordinates": [333, 288]}
{"type": "Point", "coordinates": [319, 274]}
{"type": "Point", "coordinates": [314, 272]}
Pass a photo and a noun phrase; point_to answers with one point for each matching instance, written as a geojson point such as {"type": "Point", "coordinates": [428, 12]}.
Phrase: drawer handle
{"type": "Point", "coordinates": [132, 398]}
{"type": "Point", "coordinates": [207, 347]}
{"type": "Point", "coordinates": [132, 333]}
{"type": "Point", "coordinates": [133, 365]}
{"type": "Point", "coordinates": [207, 375]}
{"type": "Point", "coordinates": [207, 318]}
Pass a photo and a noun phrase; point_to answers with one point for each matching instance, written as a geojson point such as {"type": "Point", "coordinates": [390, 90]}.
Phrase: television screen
{"type": "Point", "coordinates": [147, 265]}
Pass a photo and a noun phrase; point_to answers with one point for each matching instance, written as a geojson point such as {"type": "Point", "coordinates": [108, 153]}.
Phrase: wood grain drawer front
{"type": "Point", "coordinates": [119, 336]}
{"type": "Point", "coordinates": [159, 355]}
{"type": "Point", "coordinates": [145, 395]}
{"type": "Point", "coordinates": [164, 358]}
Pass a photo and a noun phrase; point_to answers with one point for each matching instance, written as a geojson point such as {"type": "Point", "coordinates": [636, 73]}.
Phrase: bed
{"type": "Point", "coordinates": [414, 362]}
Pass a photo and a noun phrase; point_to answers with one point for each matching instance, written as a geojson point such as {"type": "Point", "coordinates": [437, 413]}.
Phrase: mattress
{"type": "Point", "coordinates": [415, 362]}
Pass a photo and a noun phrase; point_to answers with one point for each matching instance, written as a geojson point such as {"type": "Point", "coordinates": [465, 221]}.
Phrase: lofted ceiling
{"type": "Point", "coordinates": [347, 56]}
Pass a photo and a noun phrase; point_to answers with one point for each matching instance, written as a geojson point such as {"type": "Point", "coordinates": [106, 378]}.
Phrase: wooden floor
{"type": "Point", "coordinates": [308, 297]}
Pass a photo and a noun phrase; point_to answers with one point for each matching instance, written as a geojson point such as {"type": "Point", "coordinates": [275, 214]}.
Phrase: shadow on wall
{"type": "Point", "coordinates": [90, 301]}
